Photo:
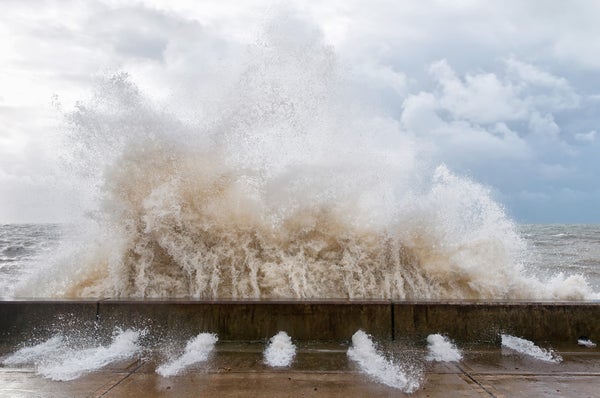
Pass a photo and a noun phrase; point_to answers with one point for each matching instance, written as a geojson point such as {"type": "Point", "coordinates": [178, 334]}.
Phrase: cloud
{"type": "Point", "coordinates": [483, 109]}
{"type": "Point", "coordinates": [480, 98]}
{"type": "Point", "coordinates": [544, 126]}
{"type": "Point", "coordinates": [545, 89]}
{"type": "Point", "coordinates": [501, 90]}
{"type": "Point", "coordinates": [382, 77]}
{"type": "Point", "coordinates": [468, 118]}
{"type": "Point", "coordinates": [535, 76]}
{"type": "Point", "coordinates": [487, 98]}
{"type": "Point", "coordinates": [506, 128]}
{"type": "Point", "coordinates": [554, 172]}
{"type": "Point", "coordinates": [586, 137]}
{"type": "Point", "coordinates": [420, 114]}
{"type": "Point", "coordinates": [458, 139]}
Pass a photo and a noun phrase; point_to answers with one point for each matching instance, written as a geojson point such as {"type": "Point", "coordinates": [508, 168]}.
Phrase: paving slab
{"type": "Point", "coordinates": [27, 384]}
{"type": "Point", "coordinates": [505, 361]}
{"type": "Point", "coordinates": [237, 369]}
{"type": "Point", "coordinates": [511, 386]}
{"type": "Point", "coordinates": [286, 384]}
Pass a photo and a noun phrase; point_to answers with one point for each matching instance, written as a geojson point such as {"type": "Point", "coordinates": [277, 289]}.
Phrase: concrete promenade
{"type": "Point", "coordinates": [322, 331]}
{"type": "Point", "coordinates": [237, 370]}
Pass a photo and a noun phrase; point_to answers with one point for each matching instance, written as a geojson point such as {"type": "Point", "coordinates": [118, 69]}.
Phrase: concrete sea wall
{"type": "Point", "coordinates": [308, 320]}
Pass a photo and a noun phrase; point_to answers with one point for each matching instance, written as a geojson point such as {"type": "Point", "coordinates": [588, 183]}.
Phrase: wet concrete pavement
{"type": "Point", "coordinates": [323, 370]}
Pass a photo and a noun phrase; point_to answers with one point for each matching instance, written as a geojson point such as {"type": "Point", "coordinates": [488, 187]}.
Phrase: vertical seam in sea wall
{"type": "Point", "coordinates": [393, 320]}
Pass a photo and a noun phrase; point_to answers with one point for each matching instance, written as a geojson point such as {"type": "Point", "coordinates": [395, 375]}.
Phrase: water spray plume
{"type": "Point", "coordinates": [288, 189]}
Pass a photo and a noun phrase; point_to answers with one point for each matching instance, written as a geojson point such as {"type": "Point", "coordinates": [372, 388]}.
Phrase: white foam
{"type": "Point", "coordinates": [528, 348]}
{"type": "Point", "coordinates": [441, 349]}
{"type": "Point", "coordinates": [280, 351]}
{"type": "Point", "coordinates": [382, 369]}
{"type": "Point", "coordinates": [586, 343]}
{"type": "Point", "coordinates": [29, 355]}
{"type": "Point", "coordinates": [56, 360]}
{"type": "Point", "coordinates": [197, 350]}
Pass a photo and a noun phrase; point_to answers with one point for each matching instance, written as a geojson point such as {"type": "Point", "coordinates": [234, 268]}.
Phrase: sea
{"type": "Point", "coordinates": [552, 249]}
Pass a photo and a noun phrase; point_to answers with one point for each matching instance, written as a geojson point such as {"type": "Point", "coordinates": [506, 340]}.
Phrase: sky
{"type": "Point", "coordinates": [504, 92]}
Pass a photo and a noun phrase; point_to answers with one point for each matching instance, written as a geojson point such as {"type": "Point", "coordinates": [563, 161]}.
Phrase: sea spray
{"type": "Point", "coordinates": [380, 368]}
{"type": "Point", "coordinates": [528, 348]}
{"type": "Point", "coordinates": [57, 360]}
{"type": "Point", "coordinates": [585, 342]}
{"type": "Point", "coordinates": [48, 349]}
{"type": "Point", "coordinates": [280, 351]}
{"type": "Point", "coordinates": [287, 188]}
{"type": "Point", "coordinates": [196, 350]}
{"type": "Point", "coordinates": [441, 349]}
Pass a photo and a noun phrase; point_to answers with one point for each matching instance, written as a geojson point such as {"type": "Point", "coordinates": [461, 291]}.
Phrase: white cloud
{"type": "Point", "coordinates": [419, 114]}
{"type": "Point", "coordinates": [593, 97]}
{"type": "Point", "coordinates": [576, 31]}
{"type": "Point", "coordinates": [470, 144]}
{"type": "Point", "coordinates": [533, 75]}
{"type": "Point", "coordinates": [544, 89]}
{"type": "Point", "coordinates": [544, 126]}
{"type": "Point", "coordinates": [487, 98]}
{"type": "Point", "coordinates": [554, 172]}
{"type": "Point", "coordinates": [382, 77]}
{"type": "Point", "coordinates": [481, 98]}
{"type": "Point", "coordinates": [586, 137]}
{"type": "Point", "coordinates": [458, 139]}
